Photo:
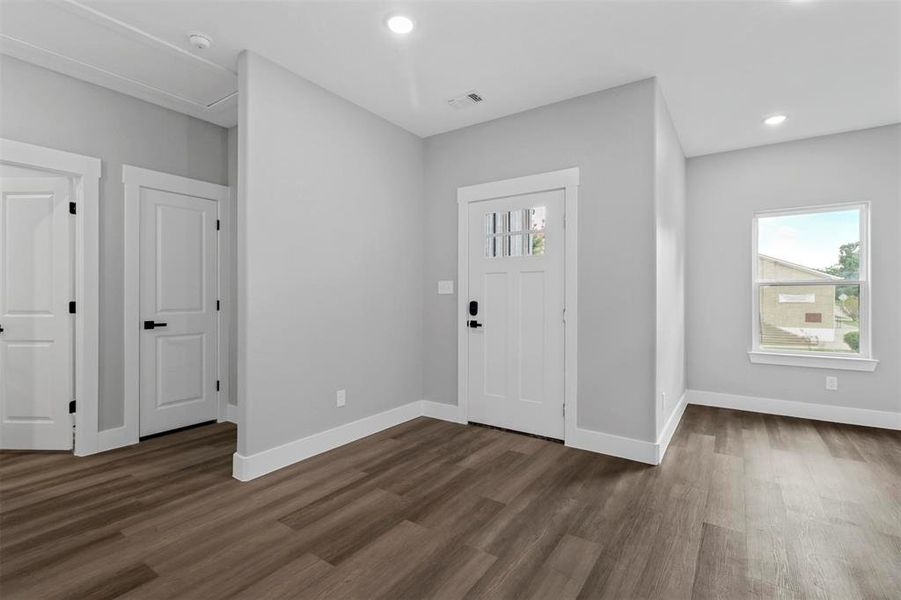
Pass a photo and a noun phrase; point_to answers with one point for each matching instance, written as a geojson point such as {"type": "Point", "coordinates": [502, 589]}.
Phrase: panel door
{"type": "Point", "coordinates": [516, 336]}
{"type": "Point", "coordinates": [36, 341]}
{"type": "Point", "coordinates": [179, 324]}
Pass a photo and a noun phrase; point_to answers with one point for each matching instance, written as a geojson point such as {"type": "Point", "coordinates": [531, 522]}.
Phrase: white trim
{"type": "Point", "coordinates": [245, 468]}
{"type": "Point", "coordinates": [804, 410]}
{"type": "Point", "coordinates": [863, 360]}
{"type": "Point", "coordinates": [613, 445]}
{"type": "Point", "coordinates": [85, 173]}
{"type": "Point", "coordinates": [669, 429]}
{"type": "Point", "coordinates": [840, 363]}
{"type": "Point", "coordinates": [133, 179]}
{"type": "Point", "coordinates": [442, 411]}
{"type": "Point", "coordinates": [568, 181]}
{"type": "Point", "coordinates": [650, 453]}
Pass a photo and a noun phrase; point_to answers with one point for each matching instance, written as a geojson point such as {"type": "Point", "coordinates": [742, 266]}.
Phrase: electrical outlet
{"type": "Point", "coordinates": [446, 286]}
{"type": "Point", "coordinates": [831, 383]}
{"type": "Point", "coordinates": [342, 398]}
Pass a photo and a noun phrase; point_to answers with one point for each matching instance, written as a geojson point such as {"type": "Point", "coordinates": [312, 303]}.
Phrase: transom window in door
{"type": "Point", "coordinates": [515, 233]}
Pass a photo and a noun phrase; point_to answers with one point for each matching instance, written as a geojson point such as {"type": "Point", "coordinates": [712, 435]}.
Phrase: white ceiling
{"type": "Point", "coordinates": [723, 66]}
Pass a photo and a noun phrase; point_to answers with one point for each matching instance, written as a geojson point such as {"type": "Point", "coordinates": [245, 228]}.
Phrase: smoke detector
{"type": "Point", "coordinates": [201, 41]}
{"type": "Point", "coordinates": [466, 100]}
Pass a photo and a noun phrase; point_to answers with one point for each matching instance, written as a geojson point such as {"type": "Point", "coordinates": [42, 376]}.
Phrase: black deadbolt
{"type": "Point", "coordinates": [473, 308]}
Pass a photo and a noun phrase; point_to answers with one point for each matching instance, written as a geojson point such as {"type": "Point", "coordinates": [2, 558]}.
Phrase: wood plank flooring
{"type": "Point", "coordinates": [744, 506]}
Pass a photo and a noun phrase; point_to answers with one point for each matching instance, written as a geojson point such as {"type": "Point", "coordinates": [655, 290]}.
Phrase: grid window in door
{"type": "Point", "coordinates": [515, 233]}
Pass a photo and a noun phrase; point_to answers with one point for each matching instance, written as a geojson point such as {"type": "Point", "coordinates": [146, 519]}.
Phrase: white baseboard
{"type": "Point", "coordinates": [630, 448]}
{"type": "Point", "coordinates": [669, 428]}
{"type": "Point", "coordinates": [804, 410]}
{"type": "Point", "coordinates": [440, 410]}
{"type": "Point", "coordinates": [614, 445]}
{"type": "Point", "coordinates": [245, 468]}
{"type": "Point", "coordinates": [250, 467]}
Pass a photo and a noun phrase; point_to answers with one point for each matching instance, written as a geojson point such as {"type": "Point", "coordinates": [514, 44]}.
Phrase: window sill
{"type": "Point", "coordinates": [841, 363]}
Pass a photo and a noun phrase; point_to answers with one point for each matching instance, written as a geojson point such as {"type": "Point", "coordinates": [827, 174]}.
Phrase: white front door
{"type": "Point", "coordinates": [515, 322]}
{"type": "Point", "coordinates": [36, 341]}
{"type": "Point", "coordinates": [179, 325]}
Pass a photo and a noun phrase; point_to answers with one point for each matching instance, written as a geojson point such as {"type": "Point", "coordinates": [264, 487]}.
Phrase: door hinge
{"type": "Point", "coordinates": [564, 410]}
{"type": "Point", "coordinates": [217, 305]}
{"type": "Point", "coordinates": [71, 407]}
{"type": "Point", "coordinates": [218, 224]}
{"type": "Point", "coordinates": [71, 208]}
{"type": "Point", "coordinates": [71, 307]}
{"type": "Point", "coordinates": [217, 385]}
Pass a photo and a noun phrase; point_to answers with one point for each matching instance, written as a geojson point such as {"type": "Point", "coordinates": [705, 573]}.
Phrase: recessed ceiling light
{"type": "Point", "coordinates": [400, 24]}
{"type": "Point", "coordinates": [775, 120]}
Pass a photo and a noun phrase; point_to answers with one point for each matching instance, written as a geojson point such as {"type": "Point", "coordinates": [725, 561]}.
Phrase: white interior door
{"type": "Point", "coordinates": [36, 341]}
{"type": "Point", "coordinates": [179, 325]}
{"type": "Point", "coordinates": [516, 332]}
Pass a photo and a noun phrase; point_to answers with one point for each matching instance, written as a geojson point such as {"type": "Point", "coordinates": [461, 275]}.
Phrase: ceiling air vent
{"type": "Point", "coordinates": [466, 100]}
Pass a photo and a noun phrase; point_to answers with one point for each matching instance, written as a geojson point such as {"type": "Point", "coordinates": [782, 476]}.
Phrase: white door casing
{"type": "Point", "coordinates": [84, 175]}
{"type": "Point", "coordinates": [176, 257]}
{"type": "Point", "coordinates": [36, 286]}
{"type": "Point", "coordinates": [516, 343]}
{"type": "Point", "coordinates": [567, 182]}
{"type": "Point", "coordinates": [178, 287]}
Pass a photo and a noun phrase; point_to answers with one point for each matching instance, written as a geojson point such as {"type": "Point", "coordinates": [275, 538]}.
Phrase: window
{"type": "Point", "coordinates": [811, 287]}
{"type": "Point", "coordinates": [515, 233]}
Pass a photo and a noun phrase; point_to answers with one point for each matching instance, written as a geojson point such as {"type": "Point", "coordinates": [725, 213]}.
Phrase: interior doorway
{"type": "Point", "coordinates": [49, 297]}
{"type": "Point", "coordinates": [176, 308]}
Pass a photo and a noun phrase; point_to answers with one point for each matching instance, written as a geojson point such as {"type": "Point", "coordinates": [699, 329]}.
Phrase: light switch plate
{"type": "Point", "coordinates": [341, 398]}
{"type": "Point", "coordinates": [446, 286]}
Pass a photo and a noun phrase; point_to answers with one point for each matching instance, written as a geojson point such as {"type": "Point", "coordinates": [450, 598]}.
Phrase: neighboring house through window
{"type": "Point", "coordinates": [811, 285]}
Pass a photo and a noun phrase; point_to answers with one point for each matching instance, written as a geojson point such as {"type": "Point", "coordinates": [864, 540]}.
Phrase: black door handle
{"type": "Point", "coordinates": [1, 328]}
{"type": "Point", "coordinates": [153, 325]}
{"type": "Point", "coordinates": [473, 324]}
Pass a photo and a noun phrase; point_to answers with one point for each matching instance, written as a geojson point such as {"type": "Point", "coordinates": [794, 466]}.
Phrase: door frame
{"type": "Point", "coordinates": [84, 174]}
{"type": "Point", "coordinates": [568, 181]}
{"type": "Point", "coordinates": [133, 179]}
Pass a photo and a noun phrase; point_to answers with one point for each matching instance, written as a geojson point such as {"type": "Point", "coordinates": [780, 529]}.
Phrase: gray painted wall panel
{"type": "Point", "coordinates": [332, 239]}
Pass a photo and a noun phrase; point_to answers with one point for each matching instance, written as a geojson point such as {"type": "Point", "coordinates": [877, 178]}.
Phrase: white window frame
{"type": "Point", "coordinates": [860, 361]}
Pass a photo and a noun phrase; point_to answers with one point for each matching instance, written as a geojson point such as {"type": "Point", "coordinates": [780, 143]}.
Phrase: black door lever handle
{"type": "Point", "coordinates": [473, 324]}
{"type": "Point", "coordinates": [153, 325]}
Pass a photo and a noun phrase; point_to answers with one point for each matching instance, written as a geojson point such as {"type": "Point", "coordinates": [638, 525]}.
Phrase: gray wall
{"type": "Point", "coordinates": [331, 276]}
{"type": "Point", "coordinates": [724, 190]}
{"type": "Point", "coordinates": [610, 136]}
{"type": "Point", "coordinates": [669, 194]}
{"type": "Point", "coordinates": [42, 107]}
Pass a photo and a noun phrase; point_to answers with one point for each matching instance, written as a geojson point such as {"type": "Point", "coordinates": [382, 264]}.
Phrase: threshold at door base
{"type": "Point", "coordinates": [167, 432]}
{"type": "Point", "coordinates": [534, 435]}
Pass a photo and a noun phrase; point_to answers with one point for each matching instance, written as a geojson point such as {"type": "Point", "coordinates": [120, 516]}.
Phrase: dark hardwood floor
{"type": "Point", "coordinates": [744, 506]}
